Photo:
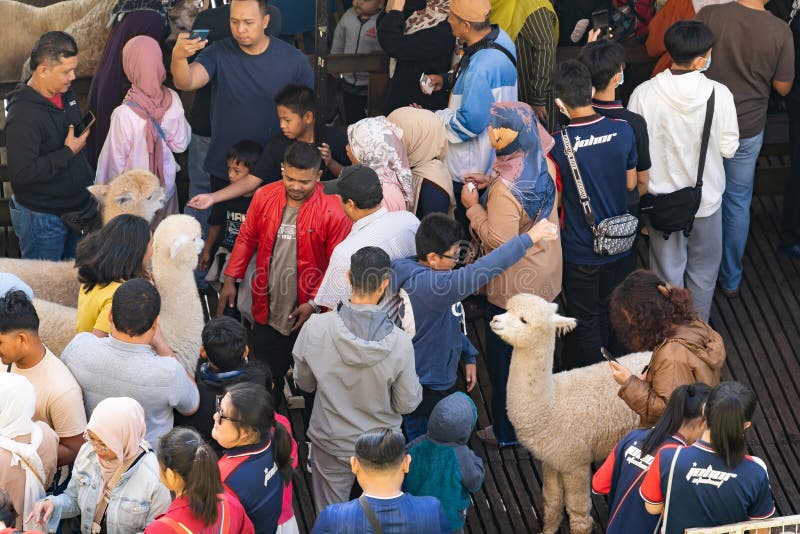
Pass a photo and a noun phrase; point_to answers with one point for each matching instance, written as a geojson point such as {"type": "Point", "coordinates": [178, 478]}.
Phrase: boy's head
{"type": "Point", "coordinates": [369, 272]}
{"type": "Point", "coordinates": [689, 43]}
{"type": "Point", "coordinates": [367, 8]}
{"type": "Point", "coordinates": [380, 454]}
{"type": "Point", "coordinates": [135, 308]}
{"type": "Point", "coordinates": [295, 105]}
{"type": "Point", "coordinates": [439, 242]}
{"type": "Point", "coordinates": [224, 344]}
{"type": "Point", "coordinates": [572, 85]}
{"type": "Point", "coordinates": [605, 60]}
{"type": "Point", "coordinates": [19, 327]}
{"type": "Point", "coordinates": [241, 158]}
{"type": "Point", "coordinates": [301, 172]}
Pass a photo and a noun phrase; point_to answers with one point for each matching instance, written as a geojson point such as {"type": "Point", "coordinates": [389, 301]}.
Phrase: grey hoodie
{"type": "Point", "coordinates": [362, 367]}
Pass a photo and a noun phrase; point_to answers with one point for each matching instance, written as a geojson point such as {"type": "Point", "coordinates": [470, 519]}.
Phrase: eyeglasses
{"type": "Point", "coordinates": [223, 416]}
{"type": "Point", "coordinates": [99, 446]}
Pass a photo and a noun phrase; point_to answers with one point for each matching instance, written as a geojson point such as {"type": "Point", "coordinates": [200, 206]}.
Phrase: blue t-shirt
{"type": "Point", "coordinates": [258, 484]}
{"type": "Point", "coordinates": [242, 91]}
{"type": "Point", "coordinates": [621, 476]}
{"type": "Point", "coordinates": [400, 515]}
{"type": "Point", "coordinates": [605, 149]}
{"type": "Point", "coordinates": [705, 491]}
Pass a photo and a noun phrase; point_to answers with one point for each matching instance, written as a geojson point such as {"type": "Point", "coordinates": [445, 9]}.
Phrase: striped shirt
{"type": "Point", "coordinates": [536, 56]}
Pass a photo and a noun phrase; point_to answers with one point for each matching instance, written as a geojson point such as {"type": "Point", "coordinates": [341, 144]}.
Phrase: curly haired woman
{"type": "Point", "coordinates": [647, 314]}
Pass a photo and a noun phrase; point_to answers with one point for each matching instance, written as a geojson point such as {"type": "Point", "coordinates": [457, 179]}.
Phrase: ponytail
{"type": "Point", "coordinates": [185, 452]}
{"type": "Point", "coordinates": [729, 407]}
{"type": "Point", "coordinates": [685, 404]}
{"type": "Point", "coordinates": [282, 442]}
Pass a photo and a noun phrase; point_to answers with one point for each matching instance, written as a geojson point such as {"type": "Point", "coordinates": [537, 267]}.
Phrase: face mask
{"type": "Point", "coordinates": [708, 64]}
{"type": "Point", "coordinates": [621, 78]}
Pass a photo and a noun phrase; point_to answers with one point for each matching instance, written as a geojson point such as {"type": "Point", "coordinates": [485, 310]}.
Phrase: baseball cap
{"type": "Point", "coordinates": [471, 10]}
{"type": "Point", "coordinates": [359, 183]}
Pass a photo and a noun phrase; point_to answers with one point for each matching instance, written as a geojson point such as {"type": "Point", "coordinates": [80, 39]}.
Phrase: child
{"type": "Point", "coordinates": [356, 33]}
{"type": "Point", "coordinates": [442, 465]}
{"type": "Point", "coordinates": [432, 293]}
{"type": "Point", "coordinates": [295, 106]}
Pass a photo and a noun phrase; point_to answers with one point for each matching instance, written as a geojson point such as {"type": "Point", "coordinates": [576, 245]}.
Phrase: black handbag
{"type": "Point", "coordinates": [675, 212]}
{"type": "Point", "coordinates": [83, 221]}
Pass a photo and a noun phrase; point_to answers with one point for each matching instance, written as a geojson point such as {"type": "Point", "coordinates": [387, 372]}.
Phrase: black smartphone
{"type": "Point", "coordinates": [600, 21]}
{"type": "Point", "coordinates": [607, 355]}
{"type": "Point", "coordinates": [199, 34]}
{"type": "Point", "coordinates": [86, 122]}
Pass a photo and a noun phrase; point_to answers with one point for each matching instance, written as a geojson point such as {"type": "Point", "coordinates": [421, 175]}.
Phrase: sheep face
{"type": "Point", "coordinates": [530, 319]}
{"type": "Point", "coordinates": [137, 192]}
{"type": "Point", "coordinates": [178, 239]}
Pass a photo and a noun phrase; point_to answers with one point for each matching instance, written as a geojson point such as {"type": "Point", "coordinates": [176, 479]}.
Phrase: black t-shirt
{"type": "Point", "coordinates": [231, 214]}
{"type": "Point", "coordinates": [615, 110]}
{"type": "Point", "coordinates": [268, 166]}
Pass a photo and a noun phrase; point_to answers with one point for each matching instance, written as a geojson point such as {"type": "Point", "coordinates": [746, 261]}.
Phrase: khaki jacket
{"type": "Point", "coordinates": [694, 353]}
{"type": "Point", "coordinates": [503, 218]}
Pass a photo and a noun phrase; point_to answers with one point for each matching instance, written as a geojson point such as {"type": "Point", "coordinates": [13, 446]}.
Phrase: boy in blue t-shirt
{"type": "Point", "coordinates": [605, 151]}
{"type": "Point", "coordinates": [380, 464]}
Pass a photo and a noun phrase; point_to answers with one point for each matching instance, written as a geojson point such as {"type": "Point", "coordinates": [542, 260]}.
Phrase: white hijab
{"type": "Point", "coordinates": [17, 405]}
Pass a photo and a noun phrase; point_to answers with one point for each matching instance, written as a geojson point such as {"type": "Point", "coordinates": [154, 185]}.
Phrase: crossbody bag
{"type": "Point", "coordinates": [612, 236]}
{"type": "Point", "coordinates": [371, 516]}
{"type": "Point", "coordinates": [675, 212]}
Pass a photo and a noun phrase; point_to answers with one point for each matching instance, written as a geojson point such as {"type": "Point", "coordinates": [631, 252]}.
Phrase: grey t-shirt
{"type": "Point", "coordinates": [107, 367]}
{"type": "Point", "coordinates": [283, 274]}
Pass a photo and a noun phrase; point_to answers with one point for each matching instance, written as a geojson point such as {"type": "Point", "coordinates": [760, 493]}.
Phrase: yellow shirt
{"type": "Point", "coordinates": [93, 308]}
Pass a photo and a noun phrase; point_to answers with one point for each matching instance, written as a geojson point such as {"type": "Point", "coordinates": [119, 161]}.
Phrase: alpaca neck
{"type": "Point", "coordinates": [61, 14]}
{"type": "Point", "coordinates": [531, 387]}
{"type": "Point", "coordinates": [172, 280]}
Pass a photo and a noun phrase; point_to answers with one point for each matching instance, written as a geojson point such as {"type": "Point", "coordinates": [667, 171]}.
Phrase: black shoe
{"type": "Point", "coordinates": [730, 293]}
{"type": "Point", "coordinates": [790, 251]}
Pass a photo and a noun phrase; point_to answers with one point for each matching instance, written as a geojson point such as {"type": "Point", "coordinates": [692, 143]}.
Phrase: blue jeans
{"type": "Point", "coordinates": [415, 426]}
{"type": "Point", "coordinates": [498, 360]}
{"type": "Point", "coordinates": [739, 176]}
{"type": "Point", "coordinates": [42, 236]}
{"type": "Point", "coordinates": [199, 183]}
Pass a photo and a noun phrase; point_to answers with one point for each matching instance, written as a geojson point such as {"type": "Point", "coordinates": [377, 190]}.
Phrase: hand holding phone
{"type": "Point", "coordinates": [607, 355]}
{"type": "Point", "coordinates": [86, 122]}
{"type": "Point", "coordinates": [600, 21]}
{"type": "Point", "coordinates": [199, 34]}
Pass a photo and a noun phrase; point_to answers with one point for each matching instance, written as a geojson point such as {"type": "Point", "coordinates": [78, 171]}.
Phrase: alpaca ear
{"type": "Point", "coordinates": [563, 324]}
{"type": "Point", "coordinates": [176, 244]}
{"type": "Point", "coordinates": [98, 191]}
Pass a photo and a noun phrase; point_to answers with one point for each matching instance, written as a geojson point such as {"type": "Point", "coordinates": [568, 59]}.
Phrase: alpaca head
{"type": "Point", "coordinates": [177, 241]}
{"type": "Point", "coordinates": [530, 320]}
{"type": "Point", "coordinates": [181, 16]}
{"type": "Point", "coordinates": [136, 192]}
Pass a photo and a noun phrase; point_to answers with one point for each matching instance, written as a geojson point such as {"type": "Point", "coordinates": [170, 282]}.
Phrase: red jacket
{"type": "Point", "coordinates": [179, 519]}
{"type": "Point", "coordinates": [321, 225]}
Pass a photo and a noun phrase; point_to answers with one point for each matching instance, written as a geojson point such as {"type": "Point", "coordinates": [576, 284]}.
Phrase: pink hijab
{"type": "Point", "coordinates": [143, 64]}
{"type": "Point", "coordinates": [119, 423]}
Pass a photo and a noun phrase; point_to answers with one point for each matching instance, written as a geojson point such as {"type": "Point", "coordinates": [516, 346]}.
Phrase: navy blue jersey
{"type": "Point", "coordinates": [605, 149]}
{"type": "Point", "coordinates": [620, 477]}
{"type": "Point", "coordinates": [705, 491]}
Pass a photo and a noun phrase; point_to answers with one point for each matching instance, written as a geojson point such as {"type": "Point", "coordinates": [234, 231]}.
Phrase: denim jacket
{"type": "Point", "coordinates": [136, 500]}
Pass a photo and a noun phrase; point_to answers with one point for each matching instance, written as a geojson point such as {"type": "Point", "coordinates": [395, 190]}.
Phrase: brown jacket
{"type": "Point", "coordinates": [503, 218]}
{"type": "Point", "coordinates": [694, 353]}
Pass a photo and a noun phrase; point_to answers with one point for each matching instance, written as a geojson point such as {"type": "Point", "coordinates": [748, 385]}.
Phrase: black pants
{"type": "Point", "coordinates": [790, 225]}
{"type": "Point", "coordinates": [587, 289]}
{"type": "Point", "coordinates": [273, 349]}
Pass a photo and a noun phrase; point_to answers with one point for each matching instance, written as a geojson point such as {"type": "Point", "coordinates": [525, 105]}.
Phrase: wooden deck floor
{"type": "Point", "coordinates": [762, 336]}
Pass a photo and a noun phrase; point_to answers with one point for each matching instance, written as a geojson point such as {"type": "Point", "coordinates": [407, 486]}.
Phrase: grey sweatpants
{"type": "Point", "coordinates": [331, 477]}
{"type": "Point", "coordinates": [691, 262]}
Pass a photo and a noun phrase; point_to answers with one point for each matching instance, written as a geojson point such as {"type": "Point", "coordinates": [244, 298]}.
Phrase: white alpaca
{"type": "Point", "coordinates": [567, 420]}
{"type": "Point", "coordinates": [176, 244]}
{"type": "Point", "coordinates": [136, 192]}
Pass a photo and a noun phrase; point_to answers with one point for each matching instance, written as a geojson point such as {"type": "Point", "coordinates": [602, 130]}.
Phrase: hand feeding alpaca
{"type": "Point", "coordinates": [566, 420]}
{"type": "Point", "coordinates": [136, 192]}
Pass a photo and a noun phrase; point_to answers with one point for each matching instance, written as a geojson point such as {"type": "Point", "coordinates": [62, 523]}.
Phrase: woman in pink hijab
{"type": "Point", "coordinates": [148, 126]}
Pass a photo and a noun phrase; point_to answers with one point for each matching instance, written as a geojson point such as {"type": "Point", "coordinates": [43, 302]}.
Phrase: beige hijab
{"type": "Point", "coordinates": [119, 423]}
{"type": "Point", "coordinates": [425, 140]}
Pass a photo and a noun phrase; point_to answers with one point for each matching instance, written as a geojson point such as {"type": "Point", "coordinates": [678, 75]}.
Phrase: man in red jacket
{"type": "Point", "coordinates": [292, 228]}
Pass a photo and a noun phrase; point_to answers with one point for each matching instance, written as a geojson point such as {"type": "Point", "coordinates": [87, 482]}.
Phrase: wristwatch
{"type": "Point", "coordinates": [314, 306]}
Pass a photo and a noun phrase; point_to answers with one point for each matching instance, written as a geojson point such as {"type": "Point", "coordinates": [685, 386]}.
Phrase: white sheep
{"type": "Point", "coordinates": [567, 420]}
{"type": "Point", "coordinates": [136, 192]}
{"type": "Point", "coordinates": [176, 244]}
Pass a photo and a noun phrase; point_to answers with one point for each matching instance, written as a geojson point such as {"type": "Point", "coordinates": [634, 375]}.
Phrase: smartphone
{"type": "Point", "coordinates": [607, 355]}
{"type": "Point", "coordinates": [600, 21]}
{"type": "Point", "coordinates": [86, 122]}
{"type": "Point", "coordinates": [426, 84]}
{"type": "Point", "coordinates": [199, 34]}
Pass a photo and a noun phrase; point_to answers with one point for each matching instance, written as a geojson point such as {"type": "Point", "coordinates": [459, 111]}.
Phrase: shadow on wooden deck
{"type": "Point", "coordinates": [762, 336]}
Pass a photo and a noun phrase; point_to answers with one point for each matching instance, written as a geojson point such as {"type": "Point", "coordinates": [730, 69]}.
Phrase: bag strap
{"type": "Point", "coordinates": [588, 215]}
{"type": "Point", "coordinates": [669, 488]}
{"type": "Point", "coordinates": [704, 141]}
{"type": "Point", "coordinates": [370, 513]}
{"type": "Point", "coordinates": [100, 511]}
{"type": "Point", "coordinates": [508, 54]}
{"type": "Point", "coordinates": [176, 526]}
